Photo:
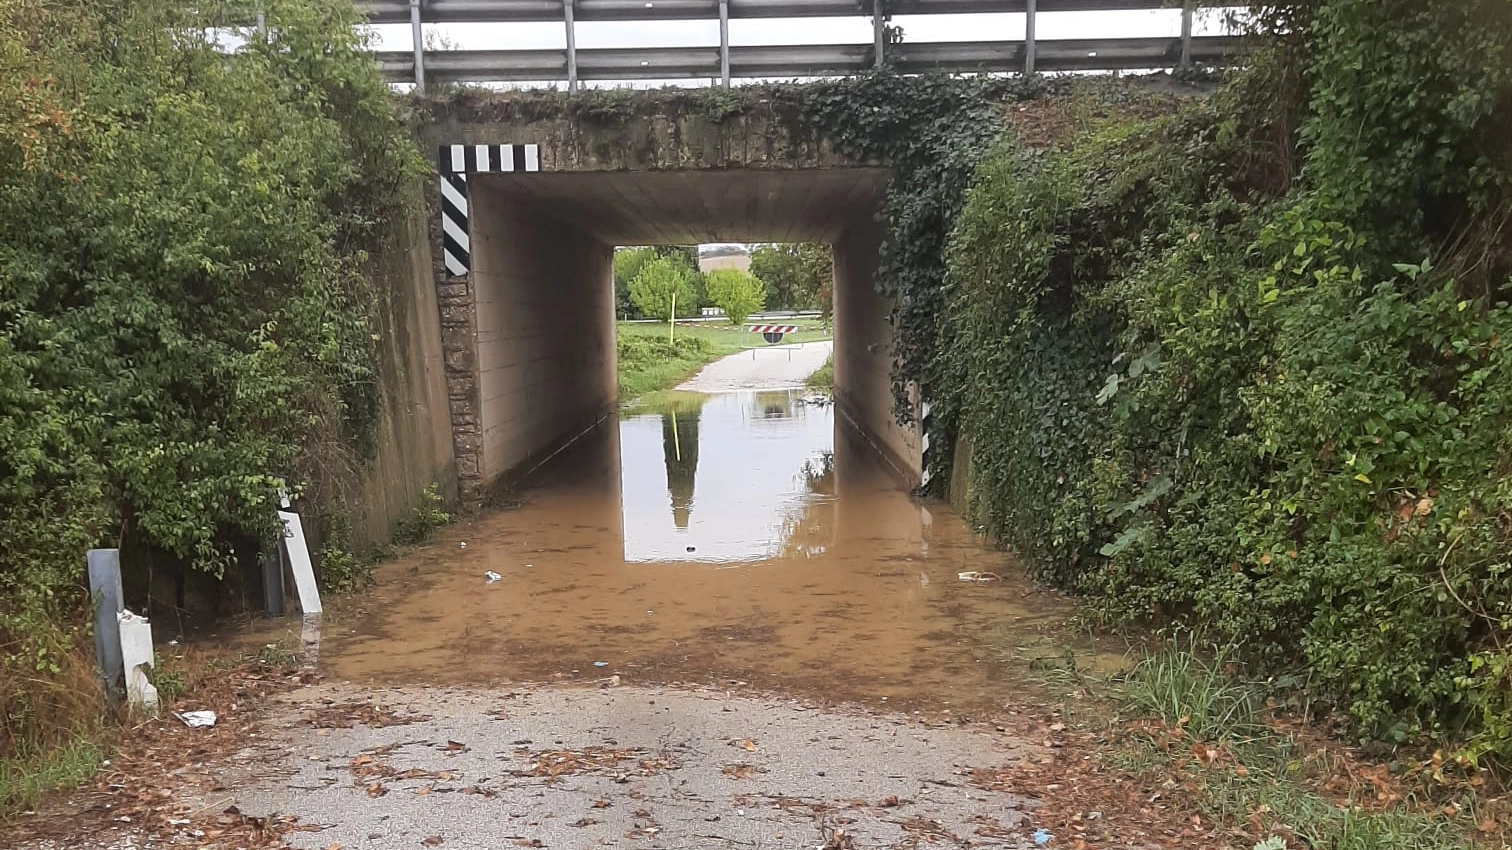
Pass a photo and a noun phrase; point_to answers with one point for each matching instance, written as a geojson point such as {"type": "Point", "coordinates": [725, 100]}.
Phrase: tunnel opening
{"type": "Point", "coordinates": [544, 305]}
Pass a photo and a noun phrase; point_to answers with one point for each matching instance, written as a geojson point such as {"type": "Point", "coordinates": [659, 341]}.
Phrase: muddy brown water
{"type": "Point", "coordinates": [733, 538]}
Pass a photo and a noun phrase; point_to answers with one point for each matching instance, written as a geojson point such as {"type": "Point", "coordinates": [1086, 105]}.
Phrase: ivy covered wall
{"type": "Point", "coordinates": [1240, 364]}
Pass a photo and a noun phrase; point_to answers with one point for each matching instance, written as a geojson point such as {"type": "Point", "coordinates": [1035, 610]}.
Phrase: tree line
{"type": "Point", "coordinates": [650, 280]}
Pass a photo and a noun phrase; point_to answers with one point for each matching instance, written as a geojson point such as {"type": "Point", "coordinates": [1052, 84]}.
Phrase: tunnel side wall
{"type": "Point", "coordinates": [863, 355]}
{"type": "Point", "coordinates": [414, 441]}
{"type": "Point", "coordinates": [544, 311]}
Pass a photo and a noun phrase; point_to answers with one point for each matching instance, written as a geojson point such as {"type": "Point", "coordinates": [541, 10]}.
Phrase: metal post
{"type": "Point", "coordinates": [724, 42]}
{"type": "Point", "coordinates": [273, 584]}
{"type": "Point", "coordinates": [1186, 36]}
{"type": "Point", "coordinates": [572, 79]}
{"type": "Point", "coordinates": [105, 590]}
{"type": "Point", "coordinates": [879, 30]}
{"type": "Point", "coordinates": [417, 35]}
{"type": "Point", "coordinates": [1029, 10]}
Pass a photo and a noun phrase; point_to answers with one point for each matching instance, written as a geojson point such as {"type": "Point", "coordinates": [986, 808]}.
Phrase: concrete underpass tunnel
{"type": "Point", "coordinates": [542, 247]}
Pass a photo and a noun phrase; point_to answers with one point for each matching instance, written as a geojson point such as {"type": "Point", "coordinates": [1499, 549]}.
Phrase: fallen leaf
{"type": "Point", "coordinates": [431, 841]}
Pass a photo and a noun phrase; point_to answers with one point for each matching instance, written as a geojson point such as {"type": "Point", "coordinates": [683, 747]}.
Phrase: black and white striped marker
{"type": "Point", "coordinates": [458, 161]}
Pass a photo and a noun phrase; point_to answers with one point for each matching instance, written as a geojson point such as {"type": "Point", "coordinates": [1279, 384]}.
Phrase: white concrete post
{"type": "Point", "coordinates": [105, 590]}
{"type": "Point", "coordinates": [299, 563]}
{"type": "Point", "coordinates": [137, 655]}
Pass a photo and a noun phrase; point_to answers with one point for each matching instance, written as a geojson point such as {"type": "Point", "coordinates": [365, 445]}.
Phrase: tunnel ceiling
{"type": "Point", "coordinates": [692, 207]}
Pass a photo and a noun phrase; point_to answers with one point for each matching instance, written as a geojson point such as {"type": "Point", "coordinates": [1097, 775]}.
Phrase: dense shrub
{"type": "Point", "coordinates": [182, 322]}
{"type": "Point", "coordinates": [737, 293]}
{"type": "Point", "coordinates": [1247, 365]}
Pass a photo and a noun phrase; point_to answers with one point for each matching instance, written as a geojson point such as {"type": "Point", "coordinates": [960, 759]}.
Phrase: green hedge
{"type": "Point", "coordinates": [183, 321]}
{"type": "Point", "coordinates": [1248, 365]}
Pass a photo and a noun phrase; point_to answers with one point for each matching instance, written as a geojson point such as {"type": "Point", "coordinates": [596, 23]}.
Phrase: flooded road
{"type": "Point", "coordinates": [738, 537]}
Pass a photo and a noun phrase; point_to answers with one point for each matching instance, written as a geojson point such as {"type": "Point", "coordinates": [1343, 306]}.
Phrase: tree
{"type": "Point", "coordinates": [798, 276]}
{"type": "Point", "coordinates": [652, 289]}
{"type": "Point", "coordinates": [737, 293]}
{"type": "Point", "coordinates": [628, 263]}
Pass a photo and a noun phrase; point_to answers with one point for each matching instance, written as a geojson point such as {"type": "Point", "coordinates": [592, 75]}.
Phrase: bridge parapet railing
{"type": "Point", "coordinates": [725, 62]}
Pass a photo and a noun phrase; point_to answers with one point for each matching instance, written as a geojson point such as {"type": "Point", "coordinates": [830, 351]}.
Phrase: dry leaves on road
{"type": "Point", "coordinates": [742, 770]}
{"type": "Point", "coordinates": [554, 764]}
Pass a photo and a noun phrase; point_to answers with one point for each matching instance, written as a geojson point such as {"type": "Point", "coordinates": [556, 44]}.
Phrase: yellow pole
{"type": "Point", "coordinates": [676, 437]}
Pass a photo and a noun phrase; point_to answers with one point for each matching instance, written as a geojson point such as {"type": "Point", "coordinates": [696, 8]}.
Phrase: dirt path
{"type": "Point", "coordinates": [777, 367]}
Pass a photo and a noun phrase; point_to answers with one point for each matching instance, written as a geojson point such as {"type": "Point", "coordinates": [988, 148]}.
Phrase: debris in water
{"type": "Point", "coordinates": [463, 544]}
{"type": "Point", "coordinates": [196, 719]}
{"type": "Point", "coordinates": [492, 576]}
{"type": "Point", "coordinates": [601, 664]}
{"type": "Point", "coordinates": [973, 575]}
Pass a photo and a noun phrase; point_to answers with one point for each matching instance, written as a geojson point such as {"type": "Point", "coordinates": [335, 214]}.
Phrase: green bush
{"type": "Point", "coordinates": [648, 363]}
{"type": "Point", "coordinates": [184, 325]}
{"type": "Point", "coordinates": [1196, 390]}
{"type": "Point", "coordinates": [1198, 387]}
{"type": "Point", "coordinates": [735, 292]}
{"type": "Point", "coordinates": [663, 283]}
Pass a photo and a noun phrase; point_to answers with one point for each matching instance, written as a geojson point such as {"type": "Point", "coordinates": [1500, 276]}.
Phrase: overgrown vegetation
{"type": "Point", "coordinates": [648, 363]}
{"type": "Point", "coordinates": [1243, 364]}
{"type": "Point", "coordinates": [1198, 724]}
{"type": "Point", "coordinates": [183, 325]}
{"type": "Point", "coordinates": [824, 379]}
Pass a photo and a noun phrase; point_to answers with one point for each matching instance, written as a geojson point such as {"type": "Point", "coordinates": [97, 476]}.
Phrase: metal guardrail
{"type": "Point", "coordinates": [665, 63]}
{"type": "Point", "coordinates": [724, 62]}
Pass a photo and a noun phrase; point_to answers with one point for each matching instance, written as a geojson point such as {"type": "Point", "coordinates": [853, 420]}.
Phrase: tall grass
{"type": "Point", "coordinates": [52, 725]}
{"type": "Point", "coordinates": [1263, 776]}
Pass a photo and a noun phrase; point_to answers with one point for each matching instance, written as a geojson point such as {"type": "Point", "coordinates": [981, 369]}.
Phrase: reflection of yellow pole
{"type": "Point", "coordinates": [672, 319]}
{"type": "Point", "coordinates": [676, 438]}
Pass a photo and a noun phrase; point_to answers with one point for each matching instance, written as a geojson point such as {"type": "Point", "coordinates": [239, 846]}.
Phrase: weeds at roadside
{"type": "Point", "coordinates": [428, 516]}
{"type": "Point", "coordinates": [1181, 751]}
{"type": "Point", "coordinates": [823, 380]}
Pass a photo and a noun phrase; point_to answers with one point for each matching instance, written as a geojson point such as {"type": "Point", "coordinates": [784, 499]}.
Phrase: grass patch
{"type": "Point", "coordinates": [24, 779]}
{"type": "Point", "coordinates": [823, 380]}
{"type": "Point", "coordinates": [649, 363]}
{"type": "Point", "coordinates": [1196, 721]}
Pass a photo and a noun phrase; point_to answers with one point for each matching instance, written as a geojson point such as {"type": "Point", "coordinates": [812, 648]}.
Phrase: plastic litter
{"type": "Point", "coordinates": [492, 576]}
{"type": "Point", "coordinates": [196, 719]}
{"type": "Point", "coordinates": [1042, 837]}
{"type": "Point", "coordinates": [973, 575]}
{"type": "Point", "coordinates": [601, 664]}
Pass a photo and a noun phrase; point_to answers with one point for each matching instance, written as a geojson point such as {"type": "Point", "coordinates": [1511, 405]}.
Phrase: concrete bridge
{"type": "Point", "coordinates": [535, 199]}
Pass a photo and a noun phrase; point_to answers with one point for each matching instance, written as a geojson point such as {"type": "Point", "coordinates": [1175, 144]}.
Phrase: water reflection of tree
{"type": "Point", "coordinates": [680, 450]}
{"type": "Point", "coordinates": [809, 529]}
